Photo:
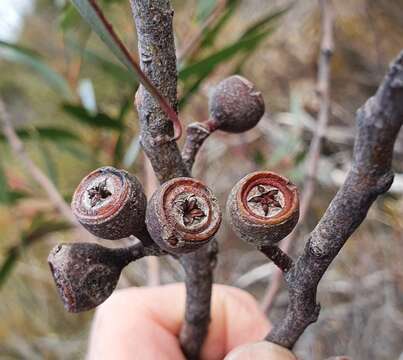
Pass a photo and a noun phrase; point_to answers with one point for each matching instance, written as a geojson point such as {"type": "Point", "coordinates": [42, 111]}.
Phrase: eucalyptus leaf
{"type": "Point", "coordinates": [4, 190]}
{"type": "Point", "coordinates": [116, 71]}
{"type": "Point", "coordinates": [50, 164]}
{"type": "Point", "coordinates": [90, 11]}
{"type": "Point", "coordinates": [211, 34]}
{"type": "Point", "coordinates": [22, 55]}
{"type": "Point", "coordinates": [204, 9]}
{"type": "Point", "coordinates": [208, 64]}
{"type": "Point", "coordinates": [46, 132]}
{"type": "Point", "coordinates": [36, 232]}
{"type": "Point", "coordinates": [265, 20]}
{"type": "Point", "coordinates": [100, 119]}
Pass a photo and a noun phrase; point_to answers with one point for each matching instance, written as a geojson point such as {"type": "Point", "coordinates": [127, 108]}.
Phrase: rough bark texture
{"type": "Point", "coordinates": [158, 61]}
{"type": "Point", "coordinates": [86, 273]}
{"type": "Point", "coordinates": [378, 122]}
{"type": "Point", "coordinates": [196, 134]}
{"type": "Point", "coordinates": [278, 256]}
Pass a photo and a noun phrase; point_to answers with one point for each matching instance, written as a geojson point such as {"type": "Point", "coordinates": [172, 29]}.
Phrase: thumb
{"type": "Point", "coordinates": [262, 350]}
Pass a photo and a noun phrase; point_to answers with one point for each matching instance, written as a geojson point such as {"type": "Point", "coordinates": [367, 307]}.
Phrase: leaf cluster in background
{"type": "Point", "coordinates": [76, 24]}
{"type": "Point", "coordinates": [196, 69]}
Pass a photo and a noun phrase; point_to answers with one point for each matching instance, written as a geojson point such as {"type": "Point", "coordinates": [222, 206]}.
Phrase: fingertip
{"type": "Point", "coordinates": [236, 319]}
{"type": "Point", "coordinates": [246, 321]}
{"type": "Point", "coordinates": [262, 350]}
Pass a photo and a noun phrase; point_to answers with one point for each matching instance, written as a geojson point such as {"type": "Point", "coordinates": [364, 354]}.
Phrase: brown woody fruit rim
{"type": "Point", "coordinates": [175, 189]}
{"type": "Point", "coordinates": [266, 178]}
{"type": "Point", "coordinates": [118, 191]}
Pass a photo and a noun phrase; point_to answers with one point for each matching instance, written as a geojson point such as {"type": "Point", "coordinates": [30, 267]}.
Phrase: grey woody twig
{"type": "Point", "coordinates": [158, 62]}
{"type": "Point", "coordinates": [378, 124]}
{"type": "Point", "coordinates": [278, 256]}
{"type": "Point", "coordinates": [196, 134]}
{"type": "Point", "coordinates": [37, 174]}
{"type": "Point", "coordinates": [323, 91]}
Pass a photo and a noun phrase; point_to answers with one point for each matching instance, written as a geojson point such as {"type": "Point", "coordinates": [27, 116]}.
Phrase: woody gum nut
{"type": "Point", "coordinates": [235, 105]}
{"type": "Point", "coordinates": [263, 208]}
{"type": "Point", "coordinates": [86, 273]}
{"type": "Point", "coordinates": [110, 204]}
{"type": "Point", "coordinates": [183, 215]}
{"type": "Point", "coordinates": [262, 350]}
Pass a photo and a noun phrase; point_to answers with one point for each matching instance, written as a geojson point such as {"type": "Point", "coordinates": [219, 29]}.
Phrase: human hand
{"type": "Point", "coordinates": [144, 323]}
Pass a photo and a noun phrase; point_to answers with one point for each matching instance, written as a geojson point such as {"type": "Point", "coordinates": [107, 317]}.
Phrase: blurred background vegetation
{"type": "Point", "coordinates": [71, 103]}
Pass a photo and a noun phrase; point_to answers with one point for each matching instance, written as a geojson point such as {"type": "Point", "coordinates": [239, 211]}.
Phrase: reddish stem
{"type": "Point", "coordinates": [144, 80]}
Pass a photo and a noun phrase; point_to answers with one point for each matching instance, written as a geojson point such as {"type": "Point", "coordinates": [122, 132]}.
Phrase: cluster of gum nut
{"type": "Point", "coordinates": [181, 216]}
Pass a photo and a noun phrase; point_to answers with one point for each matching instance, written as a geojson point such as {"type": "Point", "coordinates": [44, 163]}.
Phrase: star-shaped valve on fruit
{"type": "Point", "coordinates": [192, 211]}
{"type": "Point", "coordinates": [266, 198]}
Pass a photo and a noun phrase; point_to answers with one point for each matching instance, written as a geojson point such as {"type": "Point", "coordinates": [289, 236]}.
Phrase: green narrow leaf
{"type": "Point", "coordinates": [205, 66]}
{"type": "Point", "coordinates": [56, 134]}
{"type": "Point", "coordinates": [93, 18]}
{"type": "Point", "coordinates": [260, 25]}
{"type": "Point", "coordinates": [189, 91]}
{"type": "Point", "coordinates": [30, 58]}
{"type": "Point", "coordinates": [212, 34]}
{"type": "Point", "coordinates": [78, 152]}
{"type": "Point", "coordinates": [4, 190]}
{"type": "Point", "coordinates": [204, 9]}
{"type": "Point", "coordinates": [8, 196]}
{"type": "Point", "coordinates": [14, 196]}
{"type": "Point", "coordinates": [265, 20]}
{"type": "Point", "coordinates": [117, 72]}
{"type": "Point", "coordinates": [38, 230]}
{"type": "Point", "coordinates": [69, 18]}
{"type": "Point", "coordinates": [100, 120]}
{"type": "Point", "coordinates": [90, 11]}
{"type": "Point", "coordinates": [46, 132]}
{"type": "Point", "coordinates": [51, 167]}
{"type": "Point", "coordinates": [244, 46]}
{"type": "Point", "coordinates": [8, 264]}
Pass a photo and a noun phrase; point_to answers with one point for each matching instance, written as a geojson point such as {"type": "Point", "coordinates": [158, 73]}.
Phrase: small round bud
{"type": "Point", "coordinates": [85, 273]}
{"type": "Point", "coordinates": [235, 105]}
{"type": "Point", "coordinates": [110, 204]}
{"type": "Point", "coordinates": [263, 208]}
{"type": "Point", "coordinates": [183, 215]}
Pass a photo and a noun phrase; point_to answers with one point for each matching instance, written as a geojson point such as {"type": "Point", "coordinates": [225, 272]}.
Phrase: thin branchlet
{"type": "Point", "coordinates": [378, 123]}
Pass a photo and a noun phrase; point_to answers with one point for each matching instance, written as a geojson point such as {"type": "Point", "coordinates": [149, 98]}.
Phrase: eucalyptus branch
{"type": "Point", "coordinates": [278, 256]}
{"type": "Point", "coordinates": [378, 122]}
{"type": "Point", "coordinates": [158, 62]}
{"type": "Point", "coordinates": [196, 134]}
{"type": "Point", "coordinates": [37, 174]}
{"type": "Point", "coordinates": [323, 91]}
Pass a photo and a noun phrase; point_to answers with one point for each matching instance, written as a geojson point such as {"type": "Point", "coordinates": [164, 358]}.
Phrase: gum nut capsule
{"type": "Point", "coordinates": [263, 208]}
{"type": "Point", "coordinates": [110, 204]}
{"type": "Point", "coordinates": [86, 273]}
{"type": "Point", "coordinates": [183, 215]}
{"type": "Point", "coordinates": [235, 105]}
